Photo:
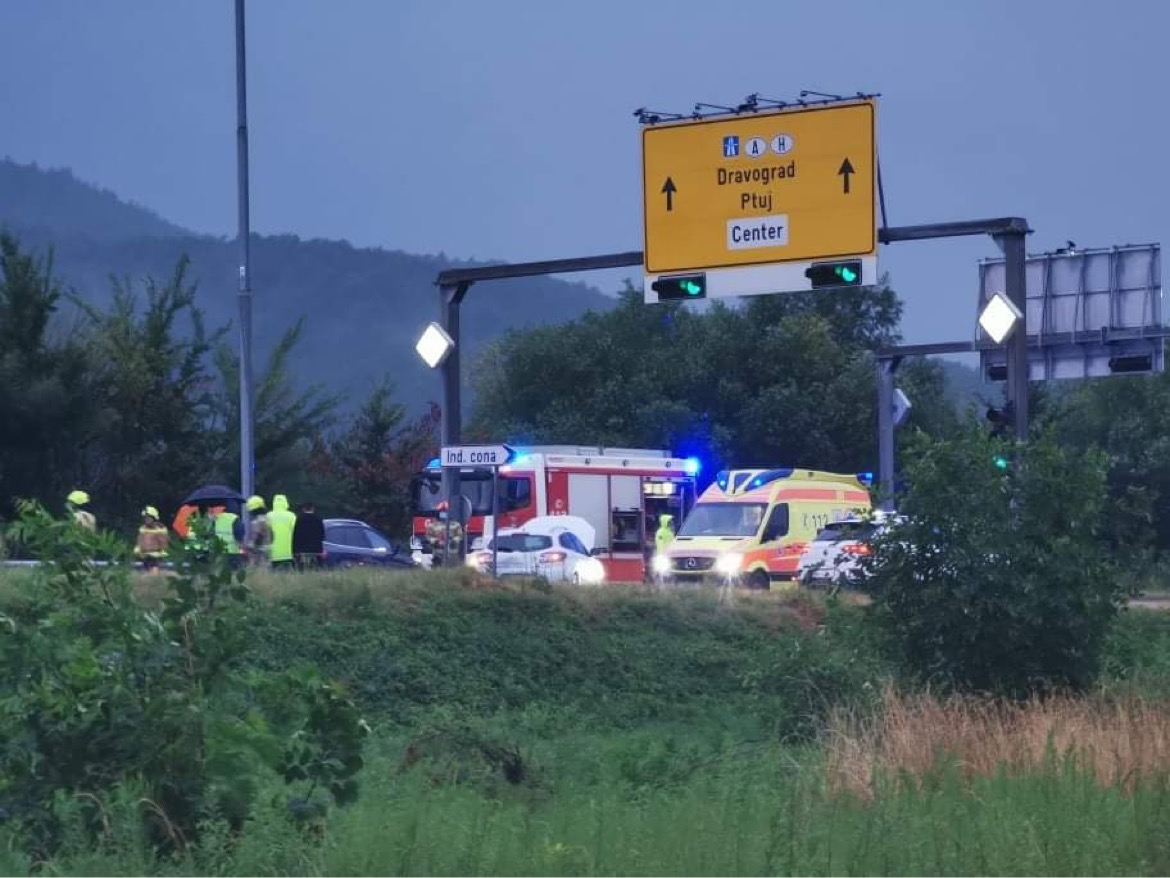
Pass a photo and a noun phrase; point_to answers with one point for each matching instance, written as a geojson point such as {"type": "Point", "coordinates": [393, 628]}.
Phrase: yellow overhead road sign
{"type": "Point", "coordinates": [759, 188]}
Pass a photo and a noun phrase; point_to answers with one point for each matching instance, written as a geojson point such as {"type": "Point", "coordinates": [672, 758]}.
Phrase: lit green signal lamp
{"type": "Point", "coordinates": [681, 288]}
{"type": "Point", "coordinates": [834, 274]}
{"type": "Point", "coordinates": [1000, 461]}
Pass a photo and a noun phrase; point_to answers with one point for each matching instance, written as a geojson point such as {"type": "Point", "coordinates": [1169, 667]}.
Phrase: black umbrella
{"type": "Point", "coordinates": [213, 494]}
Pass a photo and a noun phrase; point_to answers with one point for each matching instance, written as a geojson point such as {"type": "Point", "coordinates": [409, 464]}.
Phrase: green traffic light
{"type": "Point", "coordinates": [1001, 462]}
{"type": "Point", "coordinates": [834, 274]}
{"type": "Point", "coordinates": [691, 288]}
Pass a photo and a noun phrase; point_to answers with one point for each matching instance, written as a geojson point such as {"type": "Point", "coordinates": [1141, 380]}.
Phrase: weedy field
{"type": "Point", "coordinates": [522, 729]}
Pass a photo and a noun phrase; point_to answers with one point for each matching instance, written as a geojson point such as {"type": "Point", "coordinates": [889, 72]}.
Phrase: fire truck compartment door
{"type": "Point", "coordinates": [625, 492]}
{"type": "Point", "coordinates": [589, 498]}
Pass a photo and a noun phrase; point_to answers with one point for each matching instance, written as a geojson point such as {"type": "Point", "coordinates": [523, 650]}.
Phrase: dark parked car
{"type": "Point", "coordinates": [349, 543]}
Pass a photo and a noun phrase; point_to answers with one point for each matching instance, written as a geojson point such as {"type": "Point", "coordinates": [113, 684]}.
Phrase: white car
{"type": "Point", "coordinates": [834, 556]}
{"type": "Point", "coordinates": [554, 547]}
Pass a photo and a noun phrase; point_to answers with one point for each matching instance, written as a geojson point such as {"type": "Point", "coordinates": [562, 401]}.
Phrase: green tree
{"type": "Point", "coordinates": [288, 421]}
{"type": "Point", "coordinates": [780, 379]}
{"type": "Point", "coordinates": [1129, 419]}
{"type": "Point", "coordinates": [997, 581]}
{"type": "Point", "coordinates": [50, 412]}
{"type": "Point", "coordinates": [154, 388]}
{"type": "Point", "coordinates": [375, 458]}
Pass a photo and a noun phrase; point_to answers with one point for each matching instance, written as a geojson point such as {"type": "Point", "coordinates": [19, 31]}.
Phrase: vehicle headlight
{"type": "Point", "coordinates": [661, 564]}
{"type": "Point", "coordinates": [591, 572]}
{"type": "Point", "coordinates": [474, 559]}
{"type": "Point", "coordinates": [728, 563]}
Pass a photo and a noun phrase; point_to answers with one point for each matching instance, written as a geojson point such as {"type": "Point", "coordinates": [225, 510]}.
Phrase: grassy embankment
{"type": "Point", "coordinates": [519, 731]}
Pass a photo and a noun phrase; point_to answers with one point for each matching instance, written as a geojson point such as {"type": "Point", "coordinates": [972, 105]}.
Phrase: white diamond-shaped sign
{"type": "Point", "coordinates": [902, 407]}
{"type": "Point", "coordinates": [999, 317]}
{"type": "Point", "coordinates": [434, 345]}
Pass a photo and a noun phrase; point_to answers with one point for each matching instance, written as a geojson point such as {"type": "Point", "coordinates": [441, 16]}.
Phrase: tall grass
{"type": "Point", "coordinates": [767, 811]}
{"type": "Point", "coordinates": [1116, 741]}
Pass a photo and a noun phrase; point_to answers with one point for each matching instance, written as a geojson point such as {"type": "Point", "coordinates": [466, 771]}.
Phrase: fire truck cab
{"type": "Point", "coordinates": [621, 492]}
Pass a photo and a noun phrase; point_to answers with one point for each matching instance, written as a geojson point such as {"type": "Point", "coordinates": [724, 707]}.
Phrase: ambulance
{"type": "Point", "coordinates": [621, 492]}
{"type": "Point", "coordinates": [751, 526]}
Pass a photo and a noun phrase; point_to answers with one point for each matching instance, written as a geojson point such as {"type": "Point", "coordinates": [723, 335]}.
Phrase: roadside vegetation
{"type": "Point", "coordinates": [523, 729]}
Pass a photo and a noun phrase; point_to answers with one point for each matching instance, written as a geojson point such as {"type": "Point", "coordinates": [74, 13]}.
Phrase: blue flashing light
{"type": "Point", "coordinates": [721, 480]}
{"type": "Point", "coordinates": [692, 465]}
{"type": "Point", "coordinates": [520, 459]}
{"type": "Point", "coordinates": [433, 464]}
{"type": "Point", "coordinates": [768, 477]}
{"type": "Point", "coordinates": [865, 478]}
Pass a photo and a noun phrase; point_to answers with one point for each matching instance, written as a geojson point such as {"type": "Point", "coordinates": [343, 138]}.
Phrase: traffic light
{"type": "Point", "coordinates": [1001, 420]}
{"type": "Point", "coordinates": [683, 287]}
{"type": "Point", "coordinates": [834, 274]}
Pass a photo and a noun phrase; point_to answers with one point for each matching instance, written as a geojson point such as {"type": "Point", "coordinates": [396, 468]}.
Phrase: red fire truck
{"type": "Point", "coordinates": [620, 491]}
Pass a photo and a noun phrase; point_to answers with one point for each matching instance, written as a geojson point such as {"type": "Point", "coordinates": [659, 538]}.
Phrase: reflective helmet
{"type": "Point", "coordinates": [254, 502]}
{"type": "Point", "coordinates": [78, 498]}
{"type": "Point", "coordinates": [152, 512]}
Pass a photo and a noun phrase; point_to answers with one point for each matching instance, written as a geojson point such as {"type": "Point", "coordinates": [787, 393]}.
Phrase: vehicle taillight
{"type": "Point", "coordinates": [856, 548]}
{"type": "Point", "coordinates": [552, 557]}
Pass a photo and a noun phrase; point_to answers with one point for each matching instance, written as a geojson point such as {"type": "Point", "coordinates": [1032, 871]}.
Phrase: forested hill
{"type": "Point", "coordinates": [56, 201]}
{"type": "Point", "coordinates": [364, 308]}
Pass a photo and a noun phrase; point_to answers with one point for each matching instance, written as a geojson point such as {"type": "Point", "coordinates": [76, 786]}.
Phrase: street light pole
{"type": "Point", "coordinates": [247, 448]}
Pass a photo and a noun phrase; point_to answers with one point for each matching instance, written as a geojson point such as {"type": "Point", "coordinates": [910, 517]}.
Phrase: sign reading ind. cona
{"type": "Point", "coordinates": [783, 186]}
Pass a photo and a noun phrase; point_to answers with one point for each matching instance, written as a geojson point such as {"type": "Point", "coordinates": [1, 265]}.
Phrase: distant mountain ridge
{"type": "Point", "coordinates": [364, 307]}
{"type": "Point", "coordinates": [55, 200]}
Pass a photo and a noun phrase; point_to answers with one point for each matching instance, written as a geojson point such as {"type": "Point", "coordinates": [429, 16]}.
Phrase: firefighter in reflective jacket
{"type": "Point", "coordinates": [259, 538]}
{"type": "Point", "coordinates": [153, 537]}
{"type": "Point", "coordinates": [76, 503]}
{"type": "Point", "coordinates": [437, 530]}
{"type": "Point", "coordinates": [664, 534]}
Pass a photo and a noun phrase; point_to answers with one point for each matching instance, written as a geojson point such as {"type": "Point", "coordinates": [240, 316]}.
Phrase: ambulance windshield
{"type": "Point", "coordinates": [723, 520]}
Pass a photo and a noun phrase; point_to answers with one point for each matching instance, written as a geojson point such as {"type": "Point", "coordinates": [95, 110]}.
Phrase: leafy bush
{"type": "Point", "coordinates": [97, 691]}
{"type": "Point", "coordinates": [998, 581]}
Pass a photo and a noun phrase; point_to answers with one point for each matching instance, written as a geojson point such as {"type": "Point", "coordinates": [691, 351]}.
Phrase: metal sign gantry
{"type": "Point", "coordinates": [1008, 232]}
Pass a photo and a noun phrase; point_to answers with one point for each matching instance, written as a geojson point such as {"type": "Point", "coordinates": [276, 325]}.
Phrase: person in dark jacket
{"type": "Point", "coordinates": [308, 538]}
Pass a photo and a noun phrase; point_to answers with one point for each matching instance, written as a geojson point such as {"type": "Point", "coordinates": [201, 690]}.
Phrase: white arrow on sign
{"type": "Point", "coordinates": [902, 407]}
{"type": "Point", "coordinates": [455, 456]}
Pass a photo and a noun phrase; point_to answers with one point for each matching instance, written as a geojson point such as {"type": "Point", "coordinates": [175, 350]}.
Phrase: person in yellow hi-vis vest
{"type": "Point", "coordinates": [229, 531]}
{"type": "Point", "coordinates": [282, 521]}
{"type": "Point", "coordinates": [665, 533]}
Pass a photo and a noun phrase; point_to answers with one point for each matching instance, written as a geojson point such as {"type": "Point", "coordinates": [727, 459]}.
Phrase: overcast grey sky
{"type": "Point", "coordinates": [504, 129]}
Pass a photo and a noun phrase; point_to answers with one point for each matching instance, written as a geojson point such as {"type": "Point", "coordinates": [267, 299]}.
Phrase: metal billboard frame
{"type": "Point", "coordinates": [1091, 312]}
